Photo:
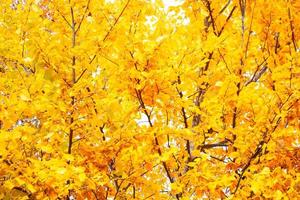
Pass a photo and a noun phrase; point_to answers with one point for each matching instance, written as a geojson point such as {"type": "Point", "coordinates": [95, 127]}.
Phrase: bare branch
{"type": "Point", "coordinates": [82, 18]}
{"type": "Point", "coordinates": [207, 4]}
{"type": "Point", "coordinates": [118, 18]}
{"type": "Point", "coordinates": [80, 75]}
{"type": "Point", "coordinates": [258, 73]}
{"type": "Point", "coordinates": [292, 29]}
{"type": "Point", "coordinates": [64, 18]}
{"type": "Point", "coordinates": [210, 146]}
{"type": "Point", "coordinates": [225, 6]}
{"type": "Point", "coordinates": [110, 30]}
{"type": "Point", "coordinates": [227, 19]}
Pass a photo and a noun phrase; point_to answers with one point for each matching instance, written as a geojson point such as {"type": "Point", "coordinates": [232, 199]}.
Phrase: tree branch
{"type": "Point", "coordinates": [82, 18]}
{"type": "Point", "coordinates": [210, 12]}
{"type": "Point", "coordinates": [210, 146]}
{"type": "Point", "coordinates": [110, 30]}
{"type": "Point", "coordinates": [258, 73]}
{"type": "Point", "coordinates": [64, 18]}
{"type": "Point", "coordinates": [292, 29]}
{"type": "Point", "coordinates": [142, 104]}
{"type": "Point", "coordinates": [80, 75]}
{"type": "Point", "coordinates": [116, 21]}
{"type": "Point", "coordinates": [227, 19]}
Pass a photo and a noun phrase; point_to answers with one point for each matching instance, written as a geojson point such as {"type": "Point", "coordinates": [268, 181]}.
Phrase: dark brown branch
{"type": "Point", "coordinates": [135, 63]}
{"type": "Point", "coordinates": [227, 19]}
{"type": "Point", "coordinates": [82, 18]}
{"type": "Point", "coordinates": [210, 146]}
{"type": "Point", "coordinates": [258, 73]}
{"type": "Point", "coordinates": [242, 4]}
{"type": "Point", "coordinates": [133, 191]}
{"type": "Point", "coordinates": [126, 188]}
{"type": "Point", "coordinates": [250, 30]}
{"type": "Point", "coordinates": [80, 75]}
{"type": "Point", "coordinates": [277, 45]}
{"type": "Point", "coordinates": [256, 76]}
{"type": "Point", "coordinates": [142, 105]}
{"type": "Point", "coordinates": [234, 117]}
{"type": "Point", "coordinates": [95, 194]}
{"type": "Point", "coordinates": [201, 92]}
{"type": "Point", "coordinates": [93, 58]}
{"type": "Point", "coordinates": [116, 21]}
{"type": "Point", "coordinates": [210, 12]}
{"type": "Point", "coordinates": [110, 60]}
{"type": "Point", "coordinates": [71, 132]}
{"type": "Point", "coordinates": [259, 147]}
{"type": "Point", "coordinates": [64, 18]}
{"type": "Point", "coordinates": [257, 151]}
{"type": "Point", "coordinates": [292, 29]}
{"type": "Point", "coordinates": [226, 65]}
{"type": "Point", "coordinates": [23, 190]}
{"type": "Point", "coordinates": [185, 118]}
{"type": "Point", "coordinates": [118, 189]}
{"type": "Point", "coordinates": [224, 7]}
{"type": "Point", "coordinates": [150, 196]}
{"type": "Point", "coordinates": [101, 128]}
{"type": "Point", "coordinates": [111, 29]}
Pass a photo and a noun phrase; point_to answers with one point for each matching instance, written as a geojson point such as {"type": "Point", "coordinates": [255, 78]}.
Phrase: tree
{"type": "Point", "coordinates": [132, 99]}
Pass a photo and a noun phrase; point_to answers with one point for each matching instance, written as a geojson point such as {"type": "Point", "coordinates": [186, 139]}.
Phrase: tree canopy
{"type": "Point", "coordinates": [137, 99]}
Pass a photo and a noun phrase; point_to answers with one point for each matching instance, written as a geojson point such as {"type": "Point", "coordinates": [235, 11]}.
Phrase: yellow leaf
{"type": "Point", "coordinates": [82, 177]}
{"type": "Point", "coordinates": [9, 184]}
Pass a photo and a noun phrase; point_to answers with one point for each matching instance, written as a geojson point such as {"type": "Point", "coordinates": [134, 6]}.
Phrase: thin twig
{"type": "Point", "coordinates": [82, 18]}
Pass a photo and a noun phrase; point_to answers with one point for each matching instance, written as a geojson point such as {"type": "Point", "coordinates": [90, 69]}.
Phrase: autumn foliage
{"type": "Point", "coordinates": [137, 99]}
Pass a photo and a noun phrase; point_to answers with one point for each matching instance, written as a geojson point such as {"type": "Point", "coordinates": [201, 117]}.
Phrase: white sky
{"type": "Point", "coordinates": [169, 3]}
